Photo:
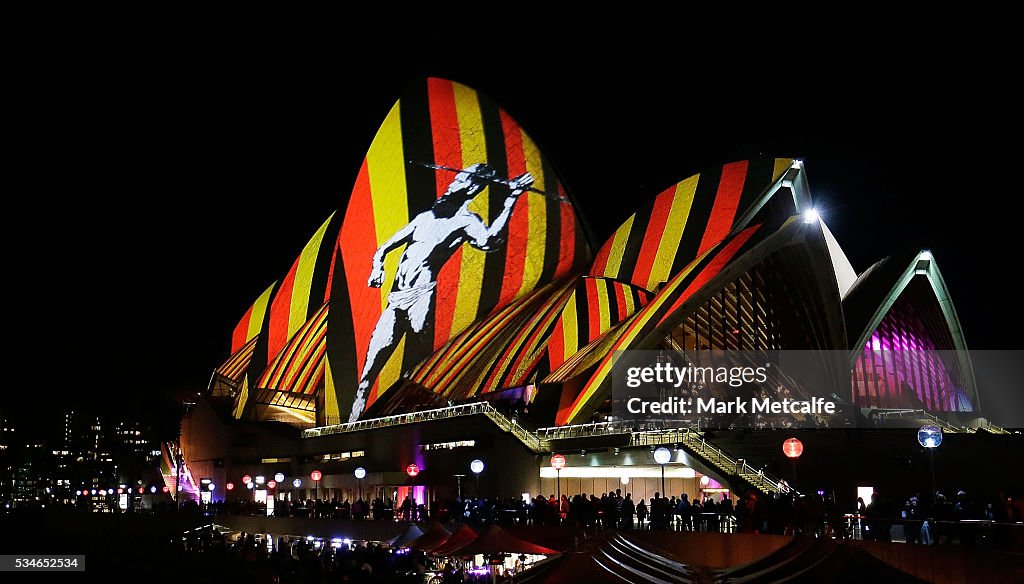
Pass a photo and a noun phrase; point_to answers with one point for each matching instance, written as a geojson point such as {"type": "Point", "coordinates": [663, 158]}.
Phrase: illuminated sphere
{"type": "Point", "coordinates": [929, 436]}
{"type": "Point", "coordinates": [166, 489]}
{"type": "Point", "coordinates": [662, 455]}
{"type": "Point", "coordinates": [557, 461]}
{"type": "Point", "coordinates": [705, 480]}
{"type": "Point", "coordinates": [316, 475]}
{"type": "Point", "coordinates": [624, 480]}
{"type": "Point", "coordinates": [360, 473]}
{"type": "Point", "coordinates": [246, 479]}
{"type": "Point", "coordinates": [152, 489]}
{"type": "Point", "coordinates": [271, 484]}
{"type": "Point", "coordinates": [792, 448]}
{"type": "Point", "coordinates": [477, 466]}
{"type": "Point", "coordinates": [230, 486]}
{"type": "Point", "coordinates": [279, 477]}
{"type": "Point", "coordinates": [212, 487]}
{"type": "Point", "coordinates": [297, 483]}
{"type": "Point", "coordinates": [412, 470]}
{"type": "Point", "coordinates": [249, 486]}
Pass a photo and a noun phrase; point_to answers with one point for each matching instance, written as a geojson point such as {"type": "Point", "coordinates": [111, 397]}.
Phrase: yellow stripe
{"type": "Point", "coordinates": [633, 330]}
{"type": "Point", "coordinates": [474, 150]}
{"type": "Point", "coordinates": [537, 222]}
{"type": "Point", "coordinates": [243, 396]}
{"type": "Point", "coordinates": [781, 166]}
{"type": "Point", "coordinates": [259, 310]}
{"type": "Point", "coordinates": [332, 414]}
{"type": "Point", "coordinates": [602, 305]}
{"type": "Point", "coordinates": [570, 327]}
{"type": "Point", "coordinates": [682, 200]}
{"type": "Point", "coordinates": [618, 248]}
{"type": "Point", "coordinates": [392, 369]}
{"type": "Point", "coordinates": [628, 294]}
{"type": "Point", "coordinates": [299, 308]}
{"type": "Point", "coordinates": [385, 163]}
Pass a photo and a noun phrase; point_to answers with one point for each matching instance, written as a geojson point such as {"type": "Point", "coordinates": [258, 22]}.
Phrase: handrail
{"type": "Point", "coordinates": [539, 441]}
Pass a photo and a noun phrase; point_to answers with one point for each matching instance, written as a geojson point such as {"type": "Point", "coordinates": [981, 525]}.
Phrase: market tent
{"type": "Point", "coordinates": [498, 541]}
{"type": "Point", "coordinates": [434, 537]}
{"type": "Point", "coordinates": [459, 538]}
{"type": "Point", "coordinates": [410, 535]}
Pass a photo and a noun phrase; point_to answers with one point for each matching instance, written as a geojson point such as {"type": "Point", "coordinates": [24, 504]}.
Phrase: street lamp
{"type": "Point", "coordinates": [793, 448]}
{"type": "Point", "coordinates": [316, 476]}
{"type": "Point", "coordinates": [360, 475]}
{"type": "Point", "coordinates": [279, 477]}
{"type": "Point", "coordinates": [930, 437]}
{"type": "Point", "coordinates": [558, 463]}
{"type": "Point", "coordinates": [662, 456]}
{"type": "Point", "coordinates": [477, 466]}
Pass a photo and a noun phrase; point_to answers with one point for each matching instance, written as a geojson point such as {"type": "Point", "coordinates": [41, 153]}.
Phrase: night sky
{"type": "Point", "coordinates": [166, 166]}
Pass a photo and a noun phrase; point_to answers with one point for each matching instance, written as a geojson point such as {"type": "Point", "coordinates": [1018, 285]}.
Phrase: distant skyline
{"type": "Point", "coordinates": [169, 181]}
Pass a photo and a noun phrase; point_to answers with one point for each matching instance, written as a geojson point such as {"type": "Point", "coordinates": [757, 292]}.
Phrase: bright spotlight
{"type": "Point", "coordinates": [811, 216]}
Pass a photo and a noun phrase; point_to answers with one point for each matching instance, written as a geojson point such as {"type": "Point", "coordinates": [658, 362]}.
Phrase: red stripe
{"type": "Point", "coordinates": [280, 309]}
{"type": "Point", "coordinates": [240, 332]}
{"type": "Point", "coordinates": [558, 301]}
{"type": "Point", "coordinates": [601, 261]}
{"type": "Point", "coordinates": [556, 345]}
{"type": "Point", "coordinates": [711, 270]}
{"type": "Point", "coordinates": [444, 128]}
{"type": "Point", "coordinates": [652, 237]}
{"type": "Point", "coordinates": [358, 242]}
{"type": "Point", "coordinates": [620, 300]}
{"type": "Point", "coordinates": [727, 200]}
{"type": "Point", "coordinates": [518, 228]}
{"type": "Point", "coordinates": [593, 313]}
{"type": "Point", "coordinates": [567, 236]}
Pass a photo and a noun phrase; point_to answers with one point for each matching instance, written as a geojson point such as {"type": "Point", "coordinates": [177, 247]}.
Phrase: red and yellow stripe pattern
{"type": "Point", "coordinates": [640, 327]}
{"type": "Point", "coordinates": [684, 221]}
{"type": "Point", "coordinates": [444, 123]}
{"type": "Point", "coordinates": [252, 321]}
{"type": "Point", "coordinates": [595, 306]}
{"type": "Point", "coordinates": [238, 363]}
{"type": "Point", "coordinates": [299, 367]}
{"type": "Point", "coordinates": [303, 290]}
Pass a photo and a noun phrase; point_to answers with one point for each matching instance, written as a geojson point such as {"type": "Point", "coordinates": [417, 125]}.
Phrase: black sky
{"type": "Point", "coordinates": [166, 165]}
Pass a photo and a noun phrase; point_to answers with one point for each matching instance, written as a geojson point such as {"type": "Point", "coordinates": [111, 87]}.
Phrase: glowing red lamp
{"type": "Point", "coordinates": [793, 448]}
{"type": "Point", "coordinates": [230, 486]}
{"type": "Point", "coordinates": [557, 461]}
{"type": "Point", "coordinates": [316, 475]}
{"type": "Point", "coordinates": [271, 484]}
{"type": "Point", "coordinates": [412, 470]}
{"type": "Point", "coordinates": [246, 479]}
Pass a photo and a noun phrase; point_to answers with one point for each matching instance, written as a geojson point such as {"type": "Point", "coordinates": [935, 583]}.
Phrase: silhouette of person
{"type": "Point", "coordinates": [430, 239]}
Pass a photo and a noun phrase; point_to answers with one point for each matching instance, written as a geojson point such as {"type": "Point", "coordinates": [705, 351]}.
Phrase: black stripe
{"type": "Point", "coordinates": [418, 146]}
{"type": "Point", "coordinates": [494, 262]}
{"type": "Point", "coordinates": [553, 224]}
{"type": "Point", "coordinates": [259, 355]}
{"type": "Point", "coordinates": [322, 269]}
{"type": "Point", "coordinates": [696, 222]}
{"type": "Point", "coordinates": [759, 176]}
{"type": "Point", "coordinates": [421, 186]}
{"type": "Point", "coordinates": [341, 345]}
{"type": "Point", "coordinates": [582, 314]}
{"type": "Point", "coordinates": [635, 242]}
{"type": "Point", "coordinates": [613, 301]}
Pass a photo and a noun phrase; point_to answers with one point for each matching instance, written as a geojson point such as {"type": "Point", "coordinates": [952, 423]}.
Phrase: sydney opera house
{"type": "Point", "coordinates": [458, 308]}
